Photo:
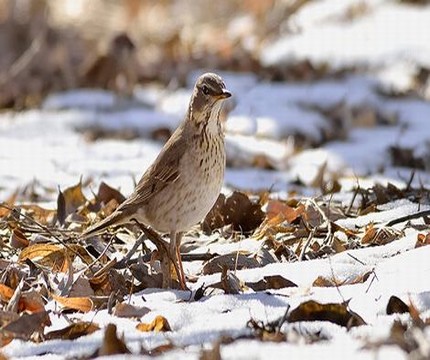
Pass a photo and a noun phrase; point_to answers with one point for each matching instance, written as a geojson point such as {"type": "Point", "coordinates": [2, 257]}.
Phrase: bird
{"type": "Point", "coordinates": [183, 183]}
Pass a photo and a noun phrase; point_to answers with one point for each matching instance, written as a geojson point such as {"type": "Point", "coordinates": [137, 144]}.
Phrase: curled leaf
{"type": "Point", "coordinates": [83, 304]}
{"type": "Point", "coordinates": [160, 323]}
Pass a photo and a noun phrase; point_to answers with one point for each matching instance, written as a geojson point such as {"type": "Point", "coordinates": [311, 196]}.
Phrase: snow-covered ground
{"type": "Point", "coordinates": [48, 148]}
{"type": "Point", "coordinates": [48, 144]}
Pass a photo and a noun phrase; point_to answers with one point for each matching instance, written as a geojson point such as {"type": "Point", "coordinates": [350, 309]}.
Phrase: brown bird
{"type": "Point", "coordinates": [183, 183]}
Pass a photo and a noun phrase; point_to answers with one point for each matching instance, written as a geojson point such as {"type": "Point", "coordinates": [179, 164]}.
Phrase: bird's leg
{"type": "Point", "coordinates": [181, 276]}
{"type": "Point", "coordinates": [164, 253]}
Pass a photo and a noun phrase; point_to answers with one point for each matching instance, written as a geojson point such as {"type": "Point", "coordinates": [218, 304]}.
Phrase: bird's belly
{"type": "Point", "coordinates": [179, 207]}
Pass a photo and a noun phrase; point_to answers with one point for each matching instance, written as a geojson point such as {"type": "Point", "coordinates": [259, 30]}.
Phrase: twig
{"type": "Point", "coordinates": [44, 228]}
{"type": "Point", "coordinates": [326, 220]}
{"type": "Point", "coordinates": [126, 259]}
{"type": "Point", "coordinates": [335, 282]}
{"type": "Point", "coordinates": [351, 204]}
{"type": "Point", "coordinates": [358, 260]}
{"type": "Point", "coordinates": [105, 268]}
{"type": "Point", "coordinates": [408, 217]}
{"type": "Point", "coordinates": [89, 267]}
{"type": "Point", "coordinates": [411, 178]}
{"type": "Point", "coordinates": [308, 241]}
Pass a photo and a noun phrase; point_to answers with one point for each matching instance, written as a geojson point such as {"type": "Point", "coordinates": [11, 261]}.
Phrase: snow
{"type": "Point", "coordinates": [374, 38]}
{"type": "Point", "coordinates": [197, 322]}
{"type": "Point", "coordinates": [390, 40]}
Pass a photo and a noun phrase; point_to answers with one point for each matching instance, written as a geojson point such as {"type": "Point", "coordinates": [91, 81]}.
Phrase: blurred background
{"type": "Point", "coordinates": [325, 91]}
{"type": "Point", "coordinates": [50, 45]}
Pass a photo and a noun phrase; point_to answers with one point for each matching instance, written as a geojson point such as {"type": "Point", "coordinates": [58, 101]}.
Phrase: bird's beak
{"type": "Point", "coordinates": [225, 94]}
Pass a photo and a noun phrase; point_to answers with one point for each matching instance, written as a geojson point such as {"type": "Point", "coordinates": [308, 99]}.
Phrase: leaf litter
{"type": "Point", "coordinates": [52, 253]}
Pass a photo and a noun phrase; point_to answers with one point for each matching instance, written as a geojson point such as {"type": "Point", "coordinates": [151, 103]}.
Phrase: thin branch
{"type": "Point", "coordinates": [408, 217]}
{"type": "Point", "coordinates": [43, 227]}
{"type": "Point", "coordinates": [89, 267]}
{"type": "Point", "coordinates": [308, 241]}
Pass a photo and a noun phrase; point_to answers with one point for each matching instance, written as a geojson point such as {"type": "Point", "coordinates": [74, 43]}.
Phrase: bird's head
{"type": "Point", "coordinates": [208, 94]}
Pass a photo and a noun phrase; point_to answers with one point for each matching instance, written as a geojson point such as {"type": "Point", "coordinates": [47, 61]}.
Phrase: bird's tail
{"type": "Point", "coordinates": [114, 219]}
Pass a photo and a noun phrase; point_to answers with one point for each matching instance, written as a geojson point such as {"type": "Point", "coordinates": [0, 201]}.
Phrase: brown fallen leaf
{"type": "Point", "coordinates": [69, 201]}
{"type": "Point", "coordinates": [73, 331]}
{"type": "Point", "coordinates": [159, 350]}
{"type": "Point", "coordinates": [61, 207]}
{"type": "Point", "coordinates": [211, 354]}
{"type": "Point", "coordinates": [160, 323]}
{"type": "Point", "coordinates": [26, 325]}
{"type": "Point", "coordinates": [329, 281]}
{"type": "Point", "coordinates": [271, 282]}
{"type": "Point", "coordinates": [112, 344]}
{"type": "Point", "coordinates": [237, 210]}
{"type": "Point", "coordinates": [9, 202]}
{"type": "Point", "coordinates": [396, 306]}
{"type": "Point", "coordinates": [50, 255]}
{"type": "Point", "coordinates": [83, 304]}
{"type": "Point", "coordinates": [322, 281]}
{"type": "Point", "coordinates": [18, 240]}
{"type": "Point", "coordinates": [39, 214]}
{"type": "Point", "coordinates": [233, 261]}
{"type": "Point", "coordinates": [107, 193]}
{"type": "Point", "coordinates": [287, 213]}
{"type": "Point", "coordinates": [422, 240]}
{"type": "Point", "coordinates": [80, 288]}
{"type": "Point", "coordinates": [130, 311]}
{"type": "Point", "coordinates": [109, 282]}
{"type": "Point", "coordinates": [415, 316]}
{"type": "Point", "coordinates": [6, 293]}
{"type": "Point", "coordinates": [335, 313]}
{"type": "Point", "coordinates": [29, 301]}
{"type": "Point", "coordinates": [380, 236]}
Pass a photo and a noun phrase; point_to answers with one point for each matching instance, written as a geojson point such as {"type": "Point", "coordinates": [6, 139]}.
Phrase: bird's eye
{"type": "Point", "coordinates": [205, 90]}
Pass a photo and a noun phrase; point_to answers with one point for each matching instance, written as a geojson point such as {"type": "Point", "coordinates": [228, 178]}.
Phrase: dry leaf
{"type": "Point", "coordinates": [130, 311]}
{"type": "Point", "coordinates": [39, 214]}
{"type": "Point", "coordinates": [271, 282]}
{"type": "Point", "coordinates": [73, 331]}
{"type": "Point", "coordinates": [160, 323]}
{"type": "Point", "coordinates": [233, 261]}
{"type": "Point", "coordinates": [106, 193]}
{"type": "Point", "coordinates": [9, 203]}
{"type": "Point", "coordinates": [211, 354]}
{"type": "Point", "coordinates": [69, 201]}
{"type": "Point", "coordinates": [396, 306]}
{"type": "Point", "coordinates": [111, 343]}
{"type": "Point", "coordinates": [50, 255]}
{"type": "Point", "coordinates": [287, 213]}
{"type": "Point", "coordinates": [5, 292]}
{"type": "Point", "coordinates": [322, 281]}
{"type": "Point", "coordinates": [18, 240]}
{"type": "Point", "coordinates": [380, 236]}
{"type": "Point", "coordinates": [422, 240]}
{"type": "Point", "coordinates": [61, 207]}
{"type": "Point", "coordinates": [335, 313]}
{"type": "Point", "coordinates": [27, 324]}
{"type": "Point", "coordinates": [31, 302]}
{"type": "Point", "coordinates": [237, 210]}
{"type": "Point", "coordinates": [329, 281]}
{"type": "Point", "coordinates": [81, 288]}
{"type": "Point", "coordinates": [83, 304]}
{"type": "Point", "coordinates": [230, 283]}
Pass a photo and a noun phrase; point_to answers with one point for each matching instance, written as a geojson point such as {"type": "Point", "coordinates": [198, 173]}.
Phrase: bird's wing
{"type": "Point", "coordinates": [164, 171]}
